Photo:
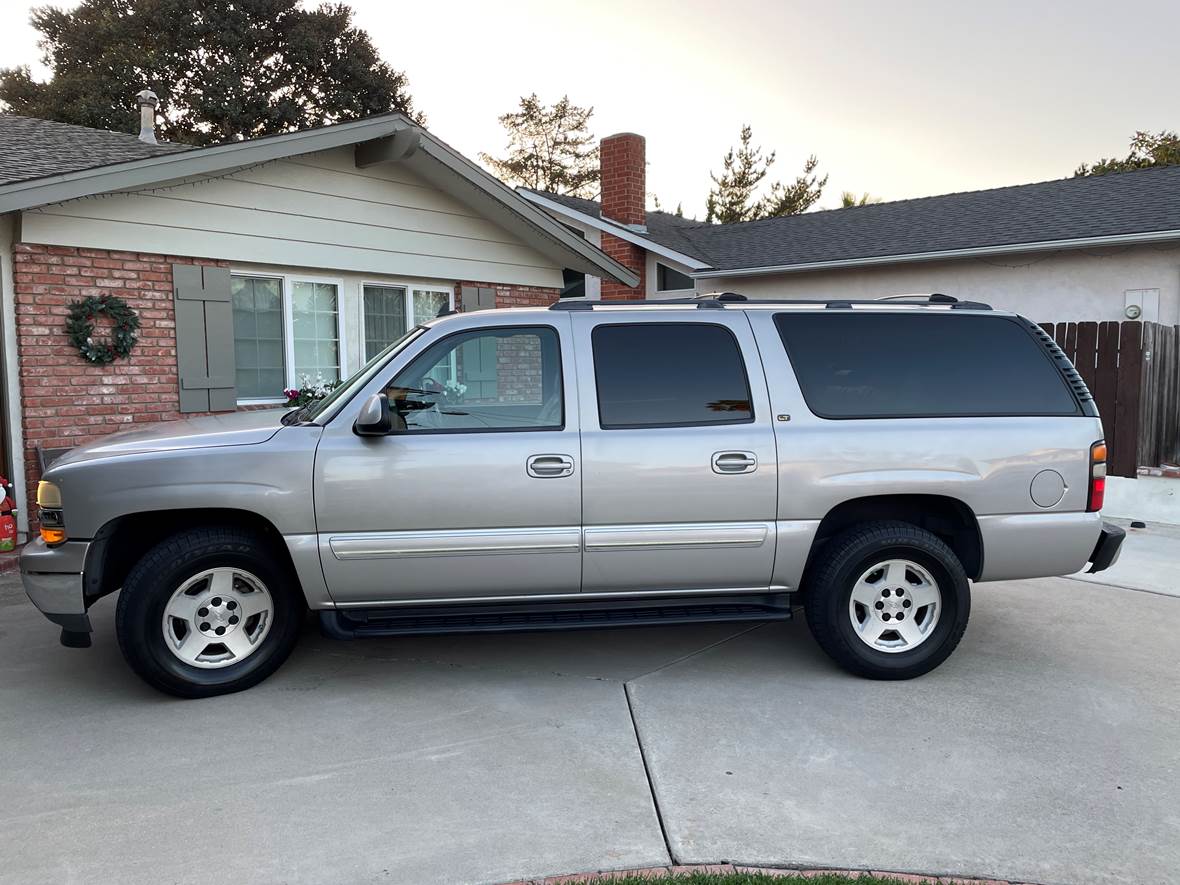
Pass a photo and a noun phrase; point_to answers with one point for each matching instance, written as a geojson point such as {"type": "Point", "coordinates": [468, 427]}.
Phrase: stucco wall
{"type": "Point", "coordinates": [1062, 286]}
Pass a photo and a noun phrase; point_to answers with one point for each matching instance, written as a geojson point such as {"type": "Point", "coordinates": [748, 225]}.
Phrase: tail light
{"type": "Point", "coordinates": [1097, 477]}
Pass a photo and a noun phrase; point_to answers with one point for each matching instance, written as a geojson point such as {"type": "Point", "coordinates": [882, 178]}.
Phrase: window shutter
{"type": "Point", "coordinates": [477, 298]}
{"type": "Point", "coordinates": [204, 338]}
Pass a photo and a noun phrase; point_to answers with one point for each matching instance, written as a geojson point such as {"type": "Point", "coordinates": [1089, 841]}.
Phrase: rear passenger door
{"type": "Point", "coordinates": [679, 479]}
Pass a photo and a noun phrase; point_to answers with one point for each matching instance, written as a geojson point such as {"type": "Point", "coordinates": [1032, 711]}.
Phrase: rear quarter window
{"type": "Point", "coordinates": [921, 365]}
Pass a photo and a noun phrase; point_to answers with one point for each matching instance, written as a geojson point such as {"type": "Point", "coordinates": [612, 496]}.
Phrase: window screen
{"type": "Point", "coordinates": [258, 337]}
{"type": "Point", "coordinates": [876, 365]}
{"type": "Point", "coordinates": [668, 375]}
{"type": "Point", "coordinates": [385, 317]}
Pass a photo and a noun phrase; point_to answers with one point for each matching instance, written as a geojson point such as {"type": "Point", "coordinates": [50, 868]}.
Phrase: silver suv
{"type": "Point", "coordinates": [597, 465]}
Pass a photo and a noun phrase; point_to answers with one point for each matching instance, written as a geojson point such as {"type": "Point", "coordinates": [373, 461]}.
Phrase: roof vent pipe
{"type": "Point", "coordinates": [147, 115]}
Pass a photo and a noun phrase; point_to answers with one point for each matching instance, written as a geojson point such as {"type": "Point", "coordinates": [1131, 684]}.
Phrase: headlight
{"type": "Point", "coordinates": [49, 513]}
{"type": "Point", "coordinates": [48, 495]}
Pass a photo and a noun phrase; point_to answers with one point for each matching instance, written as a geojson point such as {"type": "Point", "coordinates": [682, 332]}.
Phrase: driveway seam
{"type": "Point", "coordinates": [1119, 587]}
{"type": "Point", "coordinates": [651, 787]}
{"type": "Point", "coordinates": [693, 654]}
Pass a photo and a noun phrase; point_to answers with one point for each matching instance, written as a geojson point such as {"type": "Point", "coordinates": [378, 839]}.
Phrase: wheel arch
{"type": "Point", "coordinates": [943, 516]}
{"type": "Point", "coordinates": [124, 540]}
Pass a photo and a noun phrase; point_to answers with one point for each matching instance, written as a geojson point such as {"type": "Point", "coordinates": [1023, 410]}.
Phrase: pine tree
{"type": "Point", "coordinates": [550, 148]}
{"type": "Point", "coordinates": [733, 195]}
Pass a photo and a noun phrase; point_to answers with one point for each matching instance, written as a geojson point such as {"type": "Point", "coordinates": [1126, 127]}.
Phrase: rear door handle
{"type": "Point", "coordinates": [548, 466]}
{"type": "Point", "coordinates": [734, 462]}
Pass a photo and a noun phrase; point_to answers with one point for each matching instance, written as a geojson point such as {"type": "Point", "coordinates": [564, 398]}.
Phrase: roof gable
{"type": "Point", "coordinates": [384, 138]}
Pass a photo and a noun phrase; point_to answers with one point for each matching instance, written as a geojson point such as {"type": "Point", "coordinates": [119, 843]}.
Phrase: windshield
{"type": "Point", "coordinates": [346, 390]}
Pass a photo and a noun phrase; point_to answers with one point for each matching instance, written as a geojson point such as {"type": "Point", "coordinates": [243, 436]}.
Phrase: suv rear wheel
{"type": "Point", "coordinates": [888, 600]}
{"type": "Point", "coordinates": [208, 611]}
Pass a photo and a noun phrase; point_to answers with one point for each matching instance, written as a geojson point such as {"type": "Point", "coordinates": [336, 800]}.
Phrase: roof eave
{"type": "Point", "coordinates": [945, 255]}
{"type": "Point", "coordinates": [199, 161]}
{"type": "Point", "coordinates": [617, 230]}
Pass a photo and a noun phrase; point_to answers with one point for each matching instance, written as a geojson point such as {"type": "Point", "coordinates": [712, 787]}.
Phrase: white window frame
{"type": "Point", "coordinates": [409, 286]}
{"type": "Point", "coordinates": [286, 288]}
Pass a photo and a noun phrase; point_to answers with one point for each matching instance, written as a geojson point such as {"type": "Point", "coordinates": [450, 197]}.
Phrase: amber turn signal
{"type": "Point", "coordinates": [52, 536]}
{"type": "Point", "coordinates": [1098, 452]}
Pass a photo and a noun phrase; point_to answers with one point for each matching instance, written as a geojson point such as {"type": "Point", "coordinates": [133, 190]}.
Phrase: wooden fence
{"type": "Point", "coordinates": [1133, 372]}
{"type": "Point", "coordinates": [1159, 425]}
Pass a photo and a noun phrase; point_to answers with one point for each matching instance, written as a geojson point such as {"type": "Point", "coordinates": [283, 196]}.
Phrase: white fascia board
{"type": "Point", "coordinates": [198, 161]}
{"type": "Point", "coordinates": [947, 254]}
{"type": "Point", "coordinates": [616, 230]}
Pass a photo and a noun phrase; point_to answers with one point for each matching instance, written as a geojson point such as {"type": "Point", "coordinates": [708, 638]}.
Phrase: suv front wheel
{"type": "Point", "coordinates": [208, 611]}
{"type": "Point", "coordinates": [887, 600]}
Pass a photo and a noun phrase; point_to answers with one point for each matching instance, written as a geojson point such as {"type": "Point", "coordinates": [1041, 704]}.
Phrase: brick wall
{"type": "Point", "coordinates": [630, 256]}
{"type": "Point", "coordinates": [66, 401]}
{"type": "Point", "coordinates": [515, 296]}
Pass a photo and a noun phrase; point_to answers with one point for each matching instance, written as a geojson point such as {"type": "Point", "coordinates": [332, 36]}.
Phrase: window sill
{"type": "Point", "coordinates": [262, 402]}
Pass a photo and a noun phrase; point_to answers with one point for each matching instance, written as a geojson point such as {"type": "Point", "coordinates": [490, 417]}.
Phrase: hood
{"type": "Point", "coordinates": [230, 429]}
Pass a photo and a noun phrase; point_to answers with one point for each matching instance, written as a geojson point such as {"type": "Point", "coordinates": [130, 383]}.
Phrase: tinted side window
{"type": "Point", "coordinates": [877, 365]}
{"type": "Point", "coordinates": [669, 375]}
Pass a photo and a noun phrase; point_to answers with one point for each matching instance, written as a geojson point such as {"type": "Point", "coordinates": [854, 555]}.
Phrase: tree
{"type": "Point", "coordinates": [223, 69]}
{"type": "Point", "coordinates": [848, 199]}
{"type": "Point", "coordinates": [732, 197]}
{"type": "Point", "coordinates": [550, 148]}
{"type": "Point", "coordinates": [1147, 149]}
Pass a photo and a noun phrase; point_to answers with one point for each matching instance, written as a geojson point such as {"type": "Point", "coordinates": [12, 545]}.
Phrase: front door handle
{"type": "Point", "coordinates": [548, 466]}
{"type": "Point", "coordinates": [734, 462]}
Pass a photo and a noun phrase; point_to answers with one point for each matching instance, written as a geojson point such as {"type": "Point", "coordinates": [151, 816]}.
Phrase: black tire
{"type": "Point", "coordinates": [153, 580]}
{"type": "Point", "coordinates": [841, 563]}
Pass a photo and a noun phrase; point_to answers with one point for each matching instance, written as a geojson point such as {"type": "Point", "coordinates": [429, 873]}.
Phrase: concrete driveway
{"type": "Point", "coordinates": [1046, 749]}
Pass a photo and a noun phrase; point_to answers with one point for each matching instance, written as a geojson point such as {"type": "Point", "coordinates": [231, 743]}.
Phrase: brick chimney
{"type": "Point", "coordinates": [623, 167]}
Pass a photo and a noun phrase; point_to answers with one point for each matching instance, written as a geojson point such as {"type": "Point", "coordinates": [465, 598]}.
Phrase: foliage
{"type": "Point", "coordinates": [80, 328]}
{"type": "Point", "coordinates": [223, 69]}
{"type": "Point", "coordinates": [310, 390]}
{"type": "Point", "coordinates": [550, 148]}
{"type": "Point", "coordinates": [733, 196]}
{"type": "Point", "coordinates": [848, 199]}
{"type": "Point", "coordinates": [1147, 149]}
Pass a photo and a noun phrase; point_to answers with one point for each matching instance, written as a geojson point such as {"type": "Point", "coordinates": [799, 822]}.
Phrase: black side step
{"type": "Point", "coordinates": [484, 618]}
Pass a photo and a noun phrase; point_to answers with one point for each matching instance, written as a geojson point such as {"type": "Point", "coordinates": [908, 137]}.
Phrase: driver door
{"type": "Point", "coordinates": [477, 491]}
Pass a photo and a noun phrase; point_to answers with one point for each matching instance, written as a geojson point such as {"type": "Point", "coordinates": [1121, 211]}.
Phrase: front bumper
{"type": "Point", "coordinates": [1107, 550]}
{"type": "Point", "coordinates": [52, 577]}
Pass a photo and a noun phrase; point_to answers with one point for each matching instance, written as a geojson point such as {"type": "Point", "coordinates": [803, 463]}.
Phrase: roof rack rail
{"type": "Point", "coordinates": [715, 301]}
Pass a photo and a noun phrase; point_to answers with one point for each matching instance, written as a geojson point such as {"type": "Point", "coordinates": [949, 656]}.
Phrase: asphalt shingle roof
{"type": "Point", "coordinates": [31, 148]}
{"type": "Point", "coordinates": [1142, 201]}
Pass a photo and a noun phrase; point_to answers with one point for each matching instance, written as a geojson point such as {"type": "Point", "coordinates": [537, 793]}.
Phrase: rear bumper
{"type": "Point", "coordinates": [52, 577]}
{"type": "Point", "coordinates": [1106, 551]}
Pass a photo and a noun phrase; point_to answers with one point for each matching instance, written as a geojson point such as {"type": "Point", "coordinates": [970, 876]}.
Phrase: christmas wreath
{"type": "Point", "coordinates": [80, 328]}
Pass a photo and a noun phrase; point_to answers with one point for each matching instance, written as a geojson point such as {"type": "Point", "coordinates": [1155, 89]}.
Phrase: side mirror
{"type": "Point", "coordinates": [375, 418]}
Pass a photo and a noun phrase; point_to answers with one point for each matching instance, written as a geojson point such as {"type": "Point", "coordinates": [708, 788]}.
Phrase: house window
{"type": "Point", "coordinates": [284, 329]}
{"type": "Point", "coordinates": [315, 329]}
{"type": "Point", "coordinates": [390, 311]}
{"type": "Point", "coordinates": [258, 336]}
{"type": "Point", "coordinates": [385, 317]}
{"type": "Point", "coordinates": [669, 279]}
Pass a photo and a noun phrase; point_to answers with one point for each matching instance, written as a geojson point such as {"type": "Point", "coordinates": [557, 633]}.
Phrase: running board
{"type": "Point", "coordinates": [490, 618]}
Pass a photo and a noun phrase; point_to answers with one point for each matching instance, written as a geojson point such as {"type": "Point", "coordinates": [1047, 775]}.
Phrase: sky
{"type": "Point", "coordinates": [901, 99]}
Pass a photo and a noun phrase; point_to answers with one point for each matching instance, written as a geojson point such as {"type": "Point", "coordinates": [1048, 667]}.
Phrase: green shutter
{"type": "Point", "coordinates": [204, 338]}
